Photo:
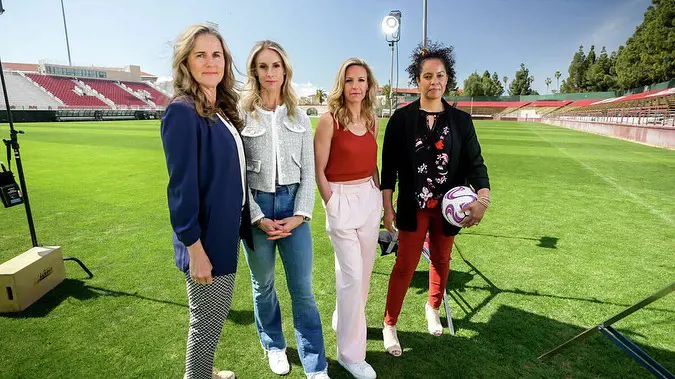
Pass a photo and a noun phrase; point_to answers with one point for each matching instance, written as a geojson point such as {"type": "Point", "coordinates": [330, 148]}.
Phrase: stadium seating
{"type": "Point", "coordinates": [115, 93]}
{"type": "Point", "coordinates": [156, 96]}
{"type": "Point", "coordinates": [490, 109]}
{"type": "Point", "coordinates": [544, 107]}
{"type": "Point", "coordinates": [24, 94]}
{"type": "Point", "coordinates": [63, 88]}
{"type": "Point", "coordinates": [30, 90]}
{"type": "Point", "coordinates": [572, 106]}
{"type": "Point", "coordinates": [656, 107]}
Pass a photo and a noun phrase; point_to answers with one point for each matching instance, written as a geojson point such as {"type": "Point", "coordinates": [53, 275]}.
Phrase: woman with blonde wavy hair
{"type": "Point", "coordinates": [345, 156]}
{"type": "Point", "coordinates": [206, 193]}
{"type": "Point", "coordinates": [278, 142]}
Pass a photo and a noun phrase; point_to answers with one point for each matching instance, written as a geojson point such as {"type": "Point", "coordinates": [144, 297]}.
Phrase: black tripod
{"type": "Point", "coordinates": [13, 145]}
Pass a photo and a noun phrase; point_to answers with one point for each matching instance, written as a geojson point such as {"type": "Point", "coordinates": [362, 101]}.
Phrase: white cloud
{"type": "Point", "coordinates": [619, 24]}
{"type": "Point", "coordinates": [304, 89]}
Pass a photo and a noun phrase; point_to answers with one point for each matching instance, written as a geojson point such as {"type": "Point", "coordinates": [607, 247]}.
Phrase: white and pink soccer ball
{"type": "Point", "coordinates": [454, 200]}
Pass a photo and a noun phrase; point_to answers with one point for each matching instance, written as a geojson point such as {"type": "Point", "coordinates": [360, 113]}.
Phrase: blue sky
{"type": "Point", "coordinates": [496, 35]}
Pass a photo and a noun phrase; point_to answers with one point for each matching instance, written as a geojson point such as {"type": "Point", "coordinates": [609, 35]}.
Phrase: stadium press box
{"type": "Point", "coordinates": [29, 276]}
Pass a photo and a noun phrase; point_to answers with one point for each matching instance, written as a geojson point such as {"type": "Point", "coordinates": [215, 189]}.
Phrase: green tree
{"type": "Point", "coordinates": [505, 79]}
{"type": "Point", "coordinates": [598, 75]}
{"type": "Point", "coordinates": [497, 85]}
{"type": "Point", "coordinates": [557, 79]}
{"type": "Point", "coordinates": [483, 85]}
{"type": "Point", "coordinates": [473, 85]}
{"type": "Point", "coordinates": [489, 88]}
{"type": "Point", "coordinates": [522, 82]}
{"type": "Point", "coordinates": [612, 62]}
{"type": "Point", "coordinates": [649, 55]}
{"type": "Point", "coordinates": [320, 95]}
{"type": "Point", "coordinates": [577, 72]}
{"type": "Point", "coordinates": [547, 82]}
{"type": "Point", "coordinates": [386, 91]}
{"type": "Point", "coordinates": [590, 58]}
{"type": "Point", "coordinates": [451, 89]}
{"type": "Point", "coordinates": [566, 88]}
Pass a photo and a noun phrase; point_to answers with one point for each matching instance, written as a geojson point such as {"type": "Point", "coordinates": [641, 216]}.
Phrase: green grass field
{"type": "Point", "coordinates": [581, 226]}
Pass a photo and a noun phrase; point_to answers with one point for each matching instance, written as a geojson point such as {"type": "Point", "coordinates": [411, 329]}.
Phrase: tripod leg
{"type": "Point", "coordinates": [634, 351]}
{"type": "Point", "coordinates": [448, 314]}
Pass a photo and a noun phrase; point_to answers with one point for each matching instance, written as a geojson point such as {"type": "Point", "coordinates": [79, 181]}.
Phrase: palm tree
{"type": "Point", "coordinates": [505, 79]}
{"type": "Point", "coordinates": [547, 82]}
{"type": "Point", "coordinates": [557, 79]}
{"type": "Point", "coordinates": [320, 95]}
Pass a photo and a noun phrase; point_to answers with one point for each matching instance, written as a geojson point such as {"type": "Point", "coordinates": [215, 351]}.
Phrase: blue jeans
{"type": "Point", "coordinates": [297, 256]}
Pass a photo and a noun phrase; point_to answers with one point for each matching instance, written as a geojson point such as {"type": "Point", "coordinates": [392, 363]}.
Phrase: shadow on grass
{"type": "Point", "coordinates": [80, 290]}
{"type": "Point", "coordinates": [69, 288]}
{"type": "Point", "coordinates": [506, 346]}
{"type": "Point", "coordinates": [458, 282]}
{"type": "Point", "coordinates": [546, 242]}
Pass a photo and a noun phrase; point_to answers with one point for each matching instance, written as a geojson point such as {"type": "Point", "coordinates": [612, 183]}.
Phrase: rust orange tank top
{"type": "Point", "coordinates": [351, 156]}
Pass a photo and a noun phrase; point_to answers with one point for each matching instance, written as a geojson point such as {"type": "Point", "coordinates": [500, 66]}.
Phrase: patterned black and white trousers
{"type": "Point", "coordinates": [209, 307]}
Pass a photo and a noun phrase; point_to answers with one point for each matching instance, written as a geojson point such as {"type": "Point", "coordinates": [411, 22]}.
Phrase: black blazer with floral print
{"type": "Point", "coordinates": [466, 164]}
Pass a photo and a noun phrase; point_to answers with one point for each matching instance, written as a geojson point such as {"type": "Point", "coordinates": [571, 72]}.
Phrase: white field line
{"type": "Point", "coordinates": [612, 182]}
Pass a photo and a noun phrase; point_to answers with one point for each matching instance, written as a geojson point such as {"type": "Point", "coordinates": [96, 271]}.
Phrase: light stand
{"type": "Point", "coordinates": [391, 26]}
{"type": "Point", "coordinates": [13, 144]}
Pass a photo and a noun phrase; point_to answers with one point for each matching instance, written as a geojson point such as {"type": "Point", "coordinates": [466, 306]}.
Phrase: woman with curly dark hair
{"type": "Point", "coordinates": [429, 147]}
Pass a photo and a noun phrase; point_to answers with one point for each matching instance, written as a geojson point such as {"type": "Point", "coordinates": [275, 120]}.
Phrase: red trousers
{"type": "Point", "coordinates": [409, 251]}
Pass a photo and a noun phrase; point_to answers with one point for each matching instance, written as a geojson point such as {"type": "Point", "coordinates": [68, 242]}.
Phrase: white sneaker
{"type": "Point", "coordinates": [433, 320]}
{"type": "Point", "coordinates": [278, 361]}
{"type": "Point", "coordinates": [223, 374]}
{"type": "Point", "coordinates": [360, 370]}
{"type": "Point", "coordinates": [318, 375]}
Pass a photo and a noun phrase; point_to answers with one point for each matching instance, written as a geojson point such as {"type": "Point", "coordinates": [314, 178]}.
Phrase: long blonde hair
{"type": "Point", "coordinates": [336, 98]}
{"type": "Point", "coordinates": [185, 86]}
{"type": "Point", "coordinates": [251, 97]}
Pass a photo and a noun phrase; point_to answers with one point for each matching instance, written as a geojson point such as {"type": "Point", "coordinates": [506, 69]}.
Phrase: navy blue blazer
{"type": "Point", "coordinates": [204, 192]}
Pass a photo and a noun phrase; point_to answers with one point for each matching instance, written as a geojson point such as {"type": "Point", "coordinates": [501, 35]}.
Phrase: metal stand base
{"type": "Point", "coordinates": [81, 265]}
{"type": "Point", "coordinates": [448, 311]}
{"type": "Point", "coordinates": [620, 340]}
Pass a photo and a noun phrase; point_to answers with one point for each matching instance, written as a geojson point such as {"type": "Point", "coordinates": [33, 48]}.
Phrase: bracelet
{"type": "Point", "coordinates": [484, 202]}
{"type": "Point", "coordinates": [257, 223]}
{"type": "Point", "coordinates": [486, 198]}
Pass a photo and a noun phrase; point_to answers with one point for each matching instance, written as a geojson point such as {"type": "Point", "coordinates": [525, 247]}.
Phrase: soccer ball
{"type": "Point", "coordinates": [454, 201]}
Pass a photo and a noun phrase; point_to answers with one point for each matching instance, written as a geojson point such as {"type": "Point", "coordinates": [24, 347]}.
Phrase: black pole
{"type": "Point", "coordinates": [14, 144]}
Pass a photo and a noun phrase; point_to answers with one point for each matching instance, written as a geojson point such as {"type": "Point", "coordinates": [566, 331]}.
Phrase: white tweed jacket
{"type": "Point", "coordinates": [279, 147]}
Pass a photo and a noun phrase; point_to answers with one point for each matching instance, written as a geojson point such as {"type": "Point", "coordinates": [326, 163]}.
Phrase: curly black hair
{"type": "Point", "coordinates": [433, 50]}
